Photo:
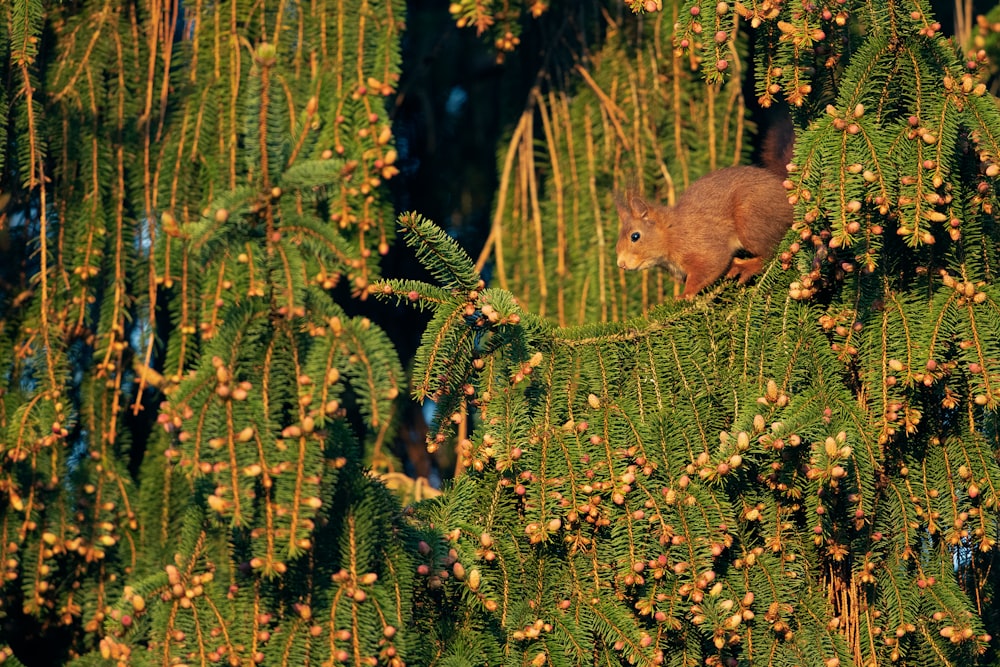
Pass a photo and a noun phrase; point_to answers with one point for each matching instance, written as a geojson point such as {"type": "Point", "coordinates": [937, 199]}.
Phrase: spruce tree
{"type": "Point", "coordinates": [182, 472]}
{"type": "Point", "coordinates": [799, 472]}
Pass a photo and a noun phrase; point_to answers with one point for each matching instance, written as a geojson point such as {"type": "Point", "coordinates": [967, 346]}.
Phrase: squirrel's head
{"type": "Point", "coordinates": [639, 231]}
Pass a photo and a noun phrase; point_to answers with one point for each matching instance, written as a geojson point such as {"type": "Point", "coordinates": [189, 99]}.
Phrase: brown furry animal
{"type": "Point", "coordinates": [725, 212]}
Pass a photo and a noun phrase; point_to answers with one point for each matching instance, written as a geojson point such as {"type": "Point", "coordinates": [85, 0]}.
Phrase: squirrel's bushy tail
{"type": "Point", "coordinates": [778, 144]}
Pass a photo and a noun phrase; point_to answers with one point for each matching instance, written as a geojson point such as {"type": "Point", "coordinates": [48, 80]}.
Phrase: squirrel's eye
{"type": "Point", "coordinates": [635, 236]}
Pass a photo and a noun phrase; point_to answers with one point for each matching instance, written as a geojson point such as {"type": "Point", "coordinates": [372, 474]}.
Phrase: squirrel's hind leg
{"type": "Point", "coordinates": [745, 268]}
{"type": "Point", "coordinates": [702, 271]}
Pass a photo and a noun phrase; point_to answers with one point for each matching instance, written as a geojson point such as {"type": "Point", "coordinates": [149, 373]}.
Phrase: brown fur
{"type": "Point", "coordinates": [778, 147]}
{"type": "Point", "coordinates": [733, 209]}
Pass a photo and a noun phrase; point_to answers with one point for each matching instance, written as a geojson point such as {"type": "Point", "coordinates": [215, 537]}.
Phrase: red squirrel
{"type": "Point", "coordinates": [722, 213]}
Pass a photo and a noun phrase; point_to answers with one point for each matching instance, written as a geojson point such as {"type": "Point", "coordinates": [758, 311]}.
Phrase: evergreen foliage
{"type": "Point", "coordinates": [637, 113]}
{"type": "Point", "coordinates": [799, 472]}
{"type": "Point", "coordinates": [185, 184]}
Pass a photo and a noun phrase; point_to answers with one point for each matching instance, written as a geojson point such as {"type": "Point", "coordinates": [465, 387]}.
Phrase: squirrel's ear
{"type": "Point", "coordinates": [629, 202]}
{"type": "Point", "coordinates": [640, 208]}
